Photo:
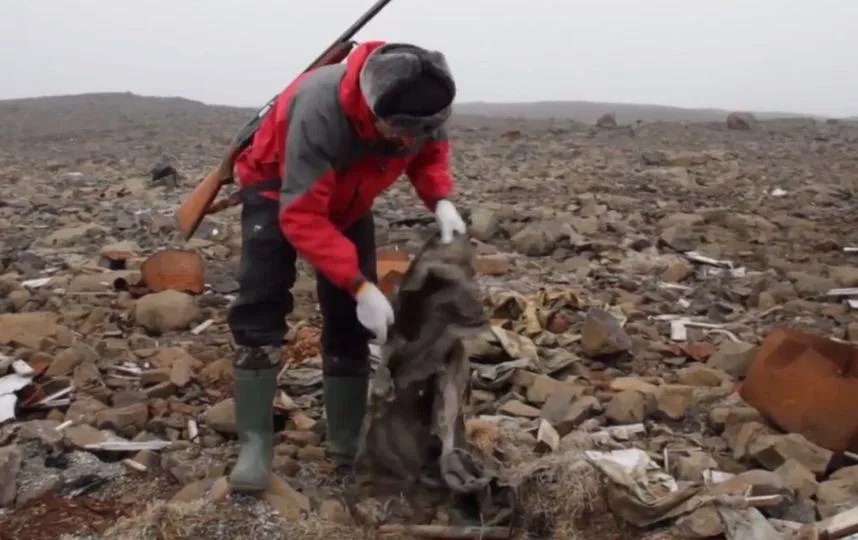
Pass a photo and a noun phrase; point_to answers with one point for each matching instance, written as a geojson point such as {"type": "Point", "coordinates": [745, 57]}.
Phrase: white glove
{"type": "Point", "coordinates": [374, 311]}
{"type": "Point", "coordinates": [449, 221]}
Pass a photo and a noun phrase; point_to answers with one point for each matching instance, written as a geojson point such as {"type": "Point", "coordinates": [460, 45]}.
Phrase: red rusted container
{"type": "Point", "coordinates": [807, 384]}
{"type": "Point", "coordinates": [390, 266]}
{"type": "Point", "coordinates": [177, 269]}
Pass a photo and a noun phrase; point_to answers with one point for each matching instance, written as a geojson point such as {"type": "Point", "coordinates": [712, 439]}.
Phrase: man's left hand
{"type": "Point", "coordinates": [449, 221]}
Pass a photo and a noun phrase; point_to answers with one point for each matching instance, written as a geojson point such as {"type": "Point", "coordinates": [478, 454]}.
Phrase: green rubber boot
{"type": "Point", "coordinates": [345, 405]}
{"type": "Point", "coordinates": [254, 413]}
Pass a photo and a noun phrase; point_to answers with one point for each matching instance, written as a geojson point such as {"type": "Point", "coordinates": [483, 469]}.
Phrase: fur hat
{"type": "Point", "coordinates": [409, 87]}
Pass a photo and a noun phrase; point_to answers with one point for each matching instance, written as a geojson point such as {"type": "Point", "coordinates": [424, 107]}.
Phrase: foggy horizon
{"type": "Point", "coordinates": [786, 56]}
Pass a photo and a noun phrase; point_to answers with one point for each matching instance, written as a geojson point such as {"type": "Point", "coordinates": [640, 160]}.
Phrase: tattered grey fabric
{"type": "Point", "coordinates": [392, 64]}
{"type": "Point", "coordinates": [423, 381]}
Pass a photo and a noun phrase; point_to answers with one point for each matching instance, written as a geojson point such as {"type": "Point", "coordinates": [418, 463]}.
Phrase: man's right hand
{"type": "Point", "coordinates": [374, 311]}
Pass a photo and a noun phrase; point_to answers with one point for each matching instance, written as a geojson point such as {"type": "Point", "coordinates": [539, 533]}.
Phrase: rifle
{"type": "Point", "coordinates": [201, 201]}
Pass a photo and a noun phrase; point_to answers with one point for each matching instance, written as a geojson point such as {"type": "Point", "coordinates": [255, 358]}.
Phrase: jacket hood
{"type": "Point", "coordinates": [351, 96]}
{"type": "Point", "coordinates": [409, 87]}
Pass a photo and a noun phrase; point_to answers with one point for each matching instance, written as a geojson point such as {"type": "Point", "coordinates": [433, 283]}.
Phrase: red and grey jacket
{"type": "Point", "coordinates": [321, 141]}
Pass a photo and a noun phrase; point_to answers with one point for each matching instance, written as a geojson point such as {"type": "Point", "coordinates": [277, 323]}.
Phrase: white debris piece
{"type": "Point", "coordinates": [843, 525]}
{"type": "Point", "coordinates": [20, 377]}
{"type": "Point", "coordinates": [678, 330]}
{"type": "Point", "coordinates": [129, 369]}
{"type": "Point", "coordinates": [679, 326]}
{"type": "Point", "coordinates": [703, 259]}
{"type": "Point", "coordinates": [711, 476]}
{"type": "Point", "coordinates": [674, 286]}
{"type": "Point", "coordinates": [546, 435]}
{"type": "Point", "coordinates": [635, 462]}
{"type": "Point", "coordinates": [618, 433]}
{"type": "Point", "coordinates": [23, 368]}
{"type": "Point", "coordinates": [13, 382]}
{"type": "Point", "coordinates": [719, 265]}
{"type": "Point", "coordinates": [730, 335]}
{"type": "Point", "coordinates": [135, 465]}
{"type": "Point", "coordinates": [200, 328]}
{"type": "Point", "coordinates": [128, 446]}
{"type": "Point", "coordinates": [846, 291]}
{"type": "Point", "coordinates": [36, 283]}
{"type": "Point", "coordinates": [57, 399]}
{"type": "Point", "coordinates": [7, 407]}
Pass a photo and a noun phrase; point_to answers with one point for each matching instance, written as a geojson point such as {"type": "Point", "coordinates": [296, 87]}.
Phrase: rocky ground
{"type": "Point", "coordinates": [631, 271]}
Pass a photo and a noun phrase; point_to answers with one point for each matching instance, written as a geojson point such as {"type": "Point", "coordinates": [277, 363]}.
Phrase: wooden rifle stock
{"type": "Point", "coordinates": [201, 201]}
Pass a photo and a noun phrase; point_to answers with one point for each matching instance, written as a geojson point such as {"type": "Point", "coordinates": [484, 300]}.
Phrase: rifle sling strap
{"type": "Point", "coordinates": [272, 184]}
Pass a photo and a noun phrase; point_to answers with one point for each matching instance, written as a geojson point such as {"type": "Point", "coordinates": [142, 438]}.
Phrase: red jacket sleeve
{"type": "Point", "coordinates": [314, 142]}
{"type": "Point", "coordinates": [429, 171]}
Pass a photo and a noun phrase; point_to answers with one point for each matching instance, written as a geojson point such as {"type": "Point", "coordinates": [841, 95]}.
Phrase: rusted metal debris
{"type": "Point", "coordinates": [177, 269]}
{"type": "Point", "coordinates": [807, 384]}
{"type": "Point", "coordinates": [50, 516]}
{"type": "Point", "coordinates": [169, 269]}
{"type": "Point", "coordinates": [391, 266]}
{"type": "Point", "coordinates": [420, 387]}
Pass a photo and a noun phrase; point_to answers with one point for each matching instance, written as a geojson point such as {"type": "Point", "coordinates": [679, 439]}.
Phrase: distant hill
{"type": "Point", "coordinates": [590, 111]}
{"type": "Point", "coordinates": [79, 114]}
{"type": "Point", "coordinates": [100, 113]}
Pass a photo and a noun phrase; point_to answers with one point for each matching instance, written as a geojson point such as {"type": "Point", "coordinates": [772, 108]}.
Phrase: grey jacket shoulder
{"type": "Point", "coordinates": [320, 137]}
{"type": "Point", "coordinates": [316, 111]}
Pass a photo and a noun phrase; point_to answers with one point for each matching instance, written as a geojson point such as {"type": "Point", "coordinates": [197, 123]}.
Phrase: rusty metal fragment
{"type": "Point", "coordinates": [807, 384]}
{"type": "Point", "coordinates": [391, 266]}
{"type": "Point", "coordinates": [414, 427]}
{"type": "Point", "coordinates": [176, 269]}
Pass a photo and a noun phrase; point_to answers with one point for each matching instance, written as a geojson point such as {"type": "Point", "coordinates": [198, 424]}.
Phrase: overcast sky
{"type": "Point", "coordinates": [792, 55]}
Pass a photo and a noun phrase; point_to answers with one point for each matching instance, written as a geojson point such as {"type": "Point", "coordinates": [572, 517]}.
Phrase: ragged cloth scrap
{"type": "Point", "coordinates": [414, 427]}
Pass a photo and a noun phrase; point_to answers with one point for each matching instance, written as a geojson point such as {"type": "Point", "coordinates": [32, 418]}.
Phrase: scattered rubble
{"type": "Point", "coordinates": [638, 378]}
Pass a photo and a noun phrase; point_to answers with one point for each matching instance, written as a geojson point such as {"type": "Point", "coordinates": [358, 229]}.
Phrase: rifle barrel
{"type": "Point", "coordinates": [352, 30]}
{"type": "Point", "coordinates": [245, 134]}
